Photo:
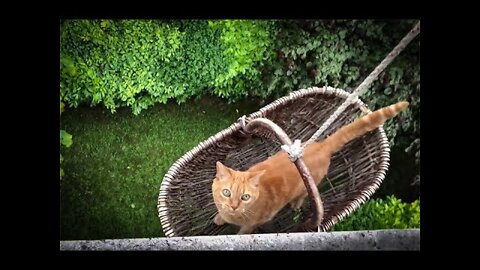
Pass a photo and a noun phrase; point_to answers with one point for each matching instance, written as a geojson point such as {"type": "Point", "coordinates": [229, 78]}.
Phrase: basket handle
{"type": "Point", "coordinates": [315, 220]}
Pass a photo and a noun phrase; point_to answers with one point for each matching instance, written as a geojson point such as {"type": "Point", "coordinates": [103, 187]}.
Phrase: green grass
{"type": "Point", "coordinates": [117, 161]}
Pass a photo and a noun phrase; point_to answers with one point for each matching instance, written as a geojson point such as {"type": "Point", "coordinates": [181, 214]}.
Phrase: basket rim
{"type": "Point", "coordinates": [235, 127]}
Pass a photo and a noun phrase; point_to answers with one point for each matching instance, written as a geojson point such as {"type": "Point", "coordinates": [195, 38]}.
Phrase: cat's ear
{"type": "Point", "coordinates": [255, 177]}
{"type": "Point", "coordinates": [222, 171]}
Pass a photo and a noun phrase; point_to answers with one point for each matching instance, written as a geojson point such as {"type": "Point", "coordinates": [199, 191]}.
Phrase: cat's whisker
{"type": "Point", "coordinates": [249, 211]}
{"type": "Point", "coordinates": [245, 217]}
{"type": "Point", "coordinates": [249, 214]}
{"type": "Point", "coordinates": [212, 215]}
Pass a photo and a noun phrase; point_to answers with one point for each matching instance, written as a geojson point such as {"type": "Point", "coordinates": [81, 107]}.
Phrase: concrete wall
{"type": "Point", "coordinates": [354, 240]}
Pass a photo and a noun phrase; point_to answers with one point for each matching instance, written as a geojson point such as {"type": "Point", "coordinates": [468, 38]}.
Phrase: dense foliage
{"type": "Point", "coordinates": [139, 63]}
{"type": "Point", "coordinates": [376, 214]}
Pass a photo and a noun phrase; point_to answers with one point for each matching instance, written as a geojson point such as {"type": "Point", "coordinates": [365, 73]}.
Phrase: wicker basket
{"type": "Point", "coordinates": [185, 203]}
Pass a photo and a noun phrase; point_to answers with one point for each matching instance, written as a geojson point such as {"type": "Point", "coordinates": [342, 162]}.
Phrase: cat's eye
{"type": "Point", "coordinates": [245, 197]}
{"type": "Point", "coordinates": [226, 192]}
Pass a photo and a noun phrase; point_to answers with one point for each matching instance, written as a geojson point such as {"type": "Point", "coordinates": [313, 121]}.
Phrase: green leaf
{"type": "Point", "coordinates": [104, 23]}
{"type": "Point", "coordinates": [65, 138]}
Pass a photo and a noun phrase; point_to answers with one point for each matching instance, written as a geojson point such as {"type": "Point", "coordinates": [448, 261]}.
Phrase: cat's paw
{"type": "Point", "coordinates": [218, 220]}
{"type": "Point", "coordinates": [246, 230]}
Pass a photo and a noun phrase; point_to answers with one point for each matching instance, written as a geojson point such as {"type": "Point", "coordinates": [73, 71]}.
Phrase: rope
{"type": "Point", "coordinates": [242, 121]}
{"type": "Point", "coordinates": [294, 150]}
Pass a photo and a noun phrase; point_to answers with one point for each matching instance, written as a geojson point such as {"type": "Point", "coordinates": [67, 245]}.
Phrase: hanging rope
{"type": "Point", "coordinates": [298, 152]}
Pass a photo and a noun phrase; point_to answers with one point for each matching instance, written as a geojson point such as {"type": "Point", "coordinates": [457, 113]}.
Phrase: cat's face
{"type": "Point", "coordinates": [234, 191]}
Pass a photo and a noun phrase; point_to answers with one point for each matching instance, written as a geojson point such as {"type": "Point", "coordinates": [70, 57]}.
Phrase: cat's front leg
{"type": "Point", "coordinates": [218, 220]}
{"type": "Point", "coordinates": [246, 229]}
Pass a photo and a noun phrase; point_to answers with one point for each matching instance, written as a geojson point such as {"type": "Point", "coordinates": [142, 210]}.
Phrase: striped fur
{"type": "Point", "coordinates": [362, 125]}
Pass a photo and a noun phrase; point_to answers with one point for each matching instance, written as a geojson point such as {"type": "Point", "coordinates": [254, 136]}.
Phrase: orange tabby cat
{"type": "Point", "coordinates": [251, 198]}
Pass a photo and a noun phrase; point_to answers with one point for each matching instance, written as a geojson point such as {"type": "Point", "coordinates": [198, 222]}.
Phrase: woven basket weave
{"type": "Point", "coordinates": [185, 202]}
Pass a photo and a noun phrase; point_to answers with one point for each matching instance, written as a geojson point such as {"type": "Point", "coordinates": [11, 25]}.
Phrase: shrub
{"type": "Point", "coordinates": [375, 214]}
{"type": "Point", "coordinates": [247, 43]}
{"type": "Point", "coordinates": [117, 63]}
{"type": "Point", "coordinates": [143, 62]}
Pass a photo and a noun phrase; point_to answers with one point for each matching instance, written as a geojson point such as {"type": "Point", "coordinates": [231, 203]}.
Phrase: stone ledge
{"type": "Point", "coordinates": [351, 240]}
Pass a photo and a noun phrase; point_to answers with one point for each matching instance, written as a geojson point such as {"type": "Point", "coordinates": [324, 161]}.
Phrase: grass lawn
{"type": "Point", "coordinates": [117, 161]}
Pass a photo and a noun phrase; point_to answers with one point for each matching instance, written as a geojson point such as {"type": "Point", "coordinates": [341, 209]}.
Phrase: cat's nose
{"type": "Point", "coordinates": [234, 207]}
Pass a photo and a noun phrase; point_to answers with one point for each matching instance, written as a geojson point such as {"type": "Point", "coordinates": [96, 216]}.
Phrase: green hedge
{"type": "Point", "coordinates": [143, 62]}
{"type": "Point", "coordinates": [376, 214]}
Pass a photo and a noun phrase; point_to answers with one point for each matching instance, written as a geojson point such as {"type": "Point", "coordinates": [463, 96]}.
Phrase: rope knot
{"type": "Point", "coordinates": [242, 121]}
{"type": "Point", "coordinates": [294, 150]}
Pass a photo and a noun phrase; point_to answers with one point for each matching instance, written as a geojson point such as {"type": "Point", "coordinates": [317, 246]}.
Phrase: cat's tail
{"type": "Point", "coordinates": [362, 125]}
